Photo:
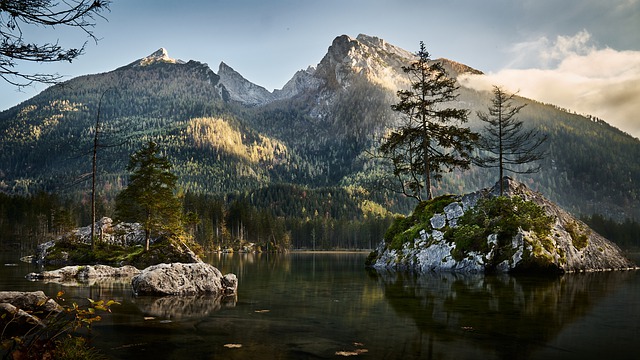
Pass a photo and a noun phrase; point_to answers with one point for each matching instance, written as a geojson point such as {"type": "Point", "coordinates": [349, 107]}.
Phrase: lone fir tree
{"type": "Point", "coordinates": [150, 196]}
{"type": "Point", "coordinates": [431, 139]}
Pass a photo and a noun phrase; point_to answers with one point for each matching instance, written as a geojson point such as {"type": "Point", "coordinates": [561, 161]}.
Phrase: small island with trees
{"type": "Point", "coordinates": [507, 228]}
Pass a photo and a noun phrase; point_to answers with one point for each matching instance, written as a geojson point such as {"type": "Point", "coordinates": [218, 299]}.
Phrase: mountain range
{"type": "Point", "coordinates": [227, 135]}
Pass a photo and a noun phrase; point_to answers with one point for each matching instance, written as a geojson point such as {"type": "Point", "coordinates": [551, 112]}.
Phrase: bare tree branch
{"type": "Point", "coordinates": [14, 48]}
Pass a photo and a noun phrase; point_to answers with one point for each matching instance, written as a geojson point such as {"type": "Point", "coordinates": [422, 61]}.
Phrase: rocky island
{"type": "Point", "coordinates": [483, 232]}
{"type": "Point", "coordinates": [118, 244]}
{"type": "Point", "coordinates": [169, 268]}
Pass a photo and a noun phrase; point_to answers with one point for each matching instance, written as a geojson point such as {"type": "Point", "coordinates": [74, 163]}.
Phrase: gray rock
{"type": "Point", "coordinates": [126, 234]}
{"type": "Point", "coordinates": [18, 312]}
{"type": "Point", "coordinates": [183, 279]}
{"type": "Point", "coordinates": [30, 301]}
{"type": "Point", "coordinates": [16, 322]}
{"type": "Point", "coordinates": [438, 221]}
{"type": "Point", "coordinates": [453, 211]}
{"type": "Point", "coordinates": [85, 272]}
{"type": "Point", "coordinates": [241, 89]}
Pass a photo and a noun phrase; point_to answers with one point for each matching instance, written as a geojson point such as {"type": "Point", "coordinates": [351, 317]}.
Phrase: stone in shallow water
{"type": "Point", "coordinates": [184, 279]}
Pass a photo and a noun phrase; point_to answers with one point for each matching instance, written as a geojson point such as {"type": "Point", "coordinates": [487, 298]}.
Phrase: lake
{"type": "Point", "coordinates": [326, 305]}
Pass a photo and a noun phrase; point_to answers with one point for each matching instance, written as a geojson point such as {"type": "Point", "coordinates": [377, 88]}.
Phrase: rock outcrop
{"type": "Point", "coordinates": [125, 234]}
{"type": "Point", "coordinates": [86, 272]}
{"type": "Point", "coordinates": [184, 279]}
{"type": "Point", "coordinates": [18, 309]}
{"type": "Point", "coordinates": [241, 89]}
{"type": "Point", "coordinates": [120, 234]}
{"type": "Point", "coordinates": [571, 245]}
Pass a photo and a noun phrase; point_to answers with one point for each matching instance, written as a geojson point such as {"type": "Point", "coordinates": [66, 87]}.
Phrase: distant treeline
{"type": "Point", "coordinates": [626, 234]}
{"type": "Point", "coordinates": [311, 219]}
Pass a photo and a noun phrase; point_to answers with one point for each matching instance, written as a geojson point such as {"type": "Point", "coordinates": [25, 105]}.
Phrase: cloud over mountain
{"type": "Point", "coordinates": [572, 73]}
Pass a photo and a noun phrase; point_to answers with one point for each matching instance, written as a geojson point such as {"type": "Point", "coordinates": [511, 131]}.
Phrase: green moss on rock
{"type": "Point", "coordinates": [407, 228]}
{"type": "Point", "coordinates": [499, 215]}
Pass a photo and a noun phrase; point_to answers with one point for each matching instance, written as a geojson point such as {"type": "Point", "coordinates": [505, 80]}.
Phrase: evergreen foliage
{"type": "Point", "coordinates": [429, 142]}
{"type": "Point", "coordinates": [16, 17]}
{"type": "Point", "coordinates": [406, 229]}
{"type": "Point", "coordinates": [150, 197]}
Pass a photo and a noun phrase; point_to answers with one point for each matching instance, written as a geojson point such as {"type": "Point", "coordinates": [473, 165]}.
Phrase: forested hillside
{"type": "Point", "coordinates": [314, 137]}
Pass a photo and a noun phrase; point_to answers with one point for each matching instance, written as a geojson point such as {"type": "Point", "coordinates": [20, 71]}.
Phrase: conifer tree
{"type": "Point", "coordinates": [431, 139]}
{"type": "Point", "coordinates": [506, 143]}
{"type": "Point", "coordinates": [150, 196]}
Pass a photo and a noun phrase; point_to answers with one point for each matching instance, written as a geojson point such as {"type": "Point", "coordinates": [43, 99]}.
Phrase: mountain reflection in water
{"type": "Point", "coordinates": [326, 306]}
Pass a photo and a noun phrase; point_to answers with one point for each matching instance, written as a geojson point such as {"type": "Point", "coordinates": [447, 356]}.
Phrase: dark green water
{"type": "Point", "coordinates": [310, 306]}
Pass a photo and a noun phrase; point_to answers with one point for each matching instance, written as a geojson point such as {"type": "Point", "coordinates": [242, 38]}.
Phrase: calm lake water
{"type": "Point", "coordinates": [326, 305]}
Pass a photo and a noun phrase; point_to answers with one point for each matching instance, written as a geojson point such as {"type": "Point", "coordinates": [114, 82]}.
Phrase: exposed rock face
{"type": "Point", "coordinates": [241, 89]}
{"type": "Point", "coordinates": [301, 82]}
{"type": "Point", "coordinates": [571, 247]}
{"type": "Point", "coordinates": [16, 310]}
{"type": "Point", "coordinates": [368, 56]}
{"type": "Point", "coordinates": [29, 301]}
{"type": "Point", "coordinates": [86, 272]}
{"type": "Point", "coordinates": [184, 279]}
{"type": "Point", "coordinates": [159, 56]}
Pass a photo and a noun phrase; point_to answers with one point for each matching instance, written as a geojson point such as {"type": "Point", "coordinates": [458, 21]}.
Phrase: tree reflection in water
{"type": "Point", "coordinates": [504, 316]}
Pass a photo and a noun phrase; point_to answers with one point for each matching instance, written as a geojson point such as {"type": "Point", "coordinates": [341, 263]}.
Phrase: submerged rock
{"type": "Point", "coordinates": [570, 246]}
{"type": "Point", "coordinates": [184, 279]}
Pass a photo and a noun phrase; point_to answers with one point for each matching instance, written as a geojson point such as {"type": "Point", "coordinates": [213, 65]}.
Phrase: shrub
{"type": "Point", "coordinates": [579, 238]}
{"type": "Point", "coordinates": [60, 338]}
{"type": "Point", "coordinates": [499, 215]}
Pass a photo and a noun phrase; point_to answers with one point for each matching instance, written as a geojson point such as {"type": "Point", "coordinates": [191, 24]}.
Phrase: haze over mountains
{"type": "Point", "coordinates": [225, 134]}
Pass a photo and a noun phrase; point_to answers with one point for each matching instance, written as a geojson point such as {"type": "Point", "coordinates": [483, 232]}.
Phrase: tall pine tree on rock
{"type": "Point", "coordinates": [431, 139]}
{"type": "Point", "coordinates": [150, 196]}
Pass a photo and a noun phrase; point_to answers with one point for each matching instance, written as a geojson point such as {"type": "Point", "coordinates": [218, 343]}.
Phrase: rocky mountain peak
{"type": "Point", "coordinates": [366, 56]}
{"type": "Point", "coordinates": [241, 89]}
{"type": "Point", "coordinates": [159, 56]}
{"type": "Point", "coordinates": [380, 44]}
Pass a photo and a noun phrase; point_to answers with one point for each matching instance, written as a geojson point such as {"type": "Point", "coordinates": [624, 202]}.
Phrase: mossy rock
{"type": "Point", "coordinates": [407, 228]}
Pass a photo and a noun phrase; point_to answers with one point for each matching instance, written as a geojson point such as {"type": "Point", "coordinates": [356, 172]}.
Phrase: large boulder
{"type": "Point", "coordinates": [184, 279]}
{"type": "Point", "coordinates": [571, 245]}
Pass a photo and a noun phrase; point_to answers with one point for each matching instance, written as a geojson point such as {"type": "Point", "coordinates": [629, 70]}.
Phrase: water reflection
{"type": "Point", "coordinates": [182, 307]}
{"type": "Point", "coordinates": [504, 316]}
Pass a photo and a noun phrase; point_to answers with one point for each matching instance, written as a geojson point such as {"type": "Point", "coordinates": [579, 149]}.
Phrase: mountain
{"type": "Point", "coordinates": [226, 135]}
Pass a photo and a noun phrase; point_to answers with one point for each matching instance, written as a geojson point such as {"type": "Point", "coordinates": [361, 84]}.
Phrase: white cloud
{"type": "Point", "coordinates": [575, 75]}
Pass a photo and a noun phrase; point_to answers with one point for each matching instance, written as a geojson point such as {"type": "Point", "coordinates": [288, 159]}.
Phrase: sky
{"type": "Point", "coordinates": [582, 55]}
